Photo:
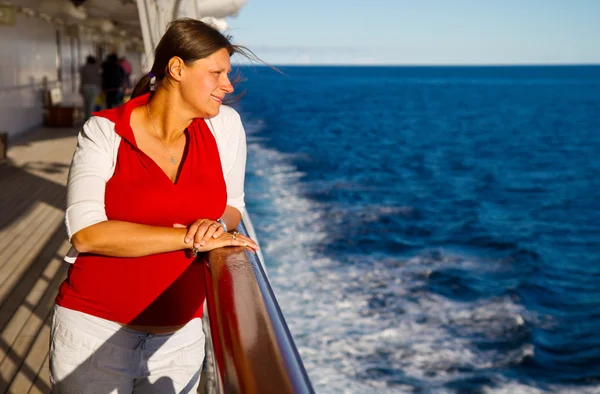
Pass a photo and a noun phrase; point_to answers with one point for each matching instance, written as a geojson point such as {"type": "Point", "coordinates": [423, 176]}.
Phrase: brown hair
{"type": "Point", "coordinates": [191, 40]}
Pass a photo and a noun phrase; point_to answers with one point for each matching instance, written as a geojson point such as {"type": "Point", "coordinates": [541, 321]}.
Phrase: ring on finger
{"type": "Point", "coordinates": [235, 234]}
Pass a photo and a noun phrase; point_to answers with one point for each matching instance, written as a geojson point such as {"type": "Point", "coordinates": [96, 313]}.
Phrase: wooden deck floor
{"type": "Point", "coordinates": [32, 243]}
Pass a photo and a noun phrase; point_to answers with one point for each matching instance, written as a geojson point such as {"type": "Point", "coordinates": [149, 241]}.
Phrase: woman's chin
{"type": "Point", "coordinates": [213, 112]}
{"type": "Point", "coordinates": [208, 113]}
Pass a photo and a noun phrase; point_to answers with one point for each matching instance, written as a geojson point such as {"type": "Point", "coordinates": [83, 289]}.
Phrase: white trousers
{"type": "Point", "coordinates": [97, 356]}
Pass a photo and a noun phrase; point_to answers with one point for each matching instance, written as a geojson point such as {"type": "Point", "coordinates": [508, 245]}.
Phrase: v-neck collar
{"type": "Point", "coordinates": [121, 116]}
{"type": "Point", "coordinates": [182, 164]}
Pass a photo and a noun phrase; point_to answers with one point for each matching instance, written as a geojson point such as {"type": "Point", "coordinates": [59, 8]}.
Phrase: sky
{"type": "Point", "coordinates": [420, 32]}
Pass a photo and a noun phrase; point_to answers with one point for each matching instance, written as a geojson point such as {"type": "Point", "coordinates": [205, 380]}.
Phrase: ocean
{"type": "Point", "coordinates": [431, 229]}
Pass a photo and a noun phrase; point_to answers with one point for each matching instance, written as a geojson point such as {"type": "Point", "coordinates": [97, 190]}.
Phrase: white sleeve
{"type": "Point", "coordinates": [234, 177]}
{"type": "Point", "coordinates": [91, 168]}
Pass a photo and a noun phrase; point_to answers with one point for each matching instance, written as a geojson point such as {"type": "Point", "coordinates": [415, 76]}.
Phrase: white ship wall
{"type": "Point", "coordinates": [28, 54]}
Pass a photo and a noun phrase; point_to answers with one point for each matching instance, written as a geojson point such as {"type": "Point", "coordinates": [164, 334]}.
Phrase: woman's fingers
{"type": "Point", "coordinates": [228, 239]}
{"type": "Point", "coordinates": [218, 232]}
{"type": "Point", "coordinates": [211, 230]}
{"type": "Point", "coordinates": [201, 231]}
{"type": "Point", "coordinates": [242, 240]}
{"type": "Point", "coordinates": [207, 235]}
{"type": "Point", "coordinates": [192, 229]}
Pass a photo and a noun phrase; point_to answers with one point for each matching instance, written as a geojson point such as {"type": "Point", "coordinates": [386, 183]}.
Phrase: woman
{"type": "Point", "coordinates": [152, 183]}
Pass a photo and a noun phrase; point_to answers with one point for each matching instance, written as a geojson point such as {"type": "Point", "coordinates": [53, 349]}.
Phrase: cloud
{"type": "Point", "coordinates": [295, 49]}
{"type": "Point", "coordinates": [315, 55]}
{"type": "Point", "coordinates": [410, 54]}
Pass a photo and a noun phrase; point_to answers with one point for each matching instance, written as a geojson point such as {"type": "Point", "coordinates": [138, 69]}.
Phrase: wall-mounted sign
{"type": "Point", "coordinates": [8, 15]}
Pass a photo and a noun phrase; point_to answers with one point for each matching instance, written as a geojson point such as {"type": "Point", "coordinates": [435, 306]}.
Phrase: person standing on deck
{"type": "Point", "coordinates": [90, 85]}
{"type": "Point", "coordinates": [127, 68]}
{"type": "Point", "coordinates": [113, 81]}
{"type": "Point", "coordinates": [153, 183]}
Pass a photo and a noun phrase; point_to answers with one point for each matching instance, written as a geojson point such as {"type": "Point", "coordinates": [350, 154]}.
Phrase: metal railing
{"type": "Point", "coordinates": [253, 349]}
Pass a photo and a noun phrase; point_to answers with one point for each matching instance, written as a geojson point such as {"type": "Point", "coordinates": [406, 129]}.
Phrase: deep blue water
{"type": "Point", "coordinates": [432, 229]}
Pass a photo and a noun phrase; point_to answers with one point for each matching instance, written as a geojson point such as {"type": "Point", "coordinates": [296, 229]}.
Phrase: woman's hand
{"type": "Point", "coordinates": [228, 239]}
{"type": "Point", "coordinates": [201, 231]}
{"type": "Point", "coordinates": [207, 235]}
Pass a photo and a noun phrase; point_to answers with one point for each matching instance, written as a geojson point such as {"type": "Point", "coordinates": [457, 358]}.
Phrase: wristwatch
{"type": "Point", "coordinates": [222, 224]}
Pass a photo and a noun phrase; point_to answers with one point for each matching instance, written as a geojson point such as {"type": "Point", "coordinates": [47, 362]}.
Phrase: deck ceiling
{"type": "Point", "coordinates": [123, 14]}
{"type": "Point", "coordinates": [120, 18]}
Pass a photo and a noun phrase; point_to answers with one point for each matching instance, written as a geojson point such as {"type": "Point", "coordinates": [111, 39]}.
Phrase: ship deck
{"type": "Point", "coordinates": [32, 243]}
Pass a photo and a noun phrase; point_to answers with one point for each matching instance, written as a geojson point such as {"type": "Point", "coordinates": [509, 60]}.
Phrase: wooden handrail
{"type": "Point", "coordinates": [253, 348]}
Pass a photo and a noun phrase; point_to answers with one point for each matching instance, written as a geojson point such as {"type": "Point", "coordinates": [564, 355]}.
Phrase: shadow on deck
{"type": "Point", "coordinates": [32, 243]}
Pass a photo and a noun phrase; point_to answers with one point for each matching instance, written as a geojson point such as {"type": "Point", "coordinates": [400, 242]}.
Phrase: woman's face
{"type": "Point", "coordinates": [205, 84]}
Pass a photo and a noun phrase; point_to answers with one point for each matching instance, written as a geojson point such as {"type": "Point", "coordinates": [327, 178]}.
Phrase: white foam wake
{"type": "Point", "coordinates": [366, 327]}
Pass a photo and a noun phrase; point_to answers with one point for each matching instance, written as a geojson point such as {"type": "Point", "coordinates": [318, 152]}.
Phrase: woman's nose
{"type": "Point", "coordinates": [227, 87]}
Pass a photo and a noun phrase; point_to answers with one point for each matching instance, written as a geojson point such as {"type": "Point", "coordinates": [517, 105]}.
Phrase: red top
{"type": "Point", "coordinates": [165, 289]}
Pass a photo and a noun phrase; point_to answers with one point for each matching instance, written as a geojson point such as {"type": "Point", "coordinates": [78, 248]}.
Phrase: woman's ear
{"type": "Point", "coordinates": [175, 68]}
